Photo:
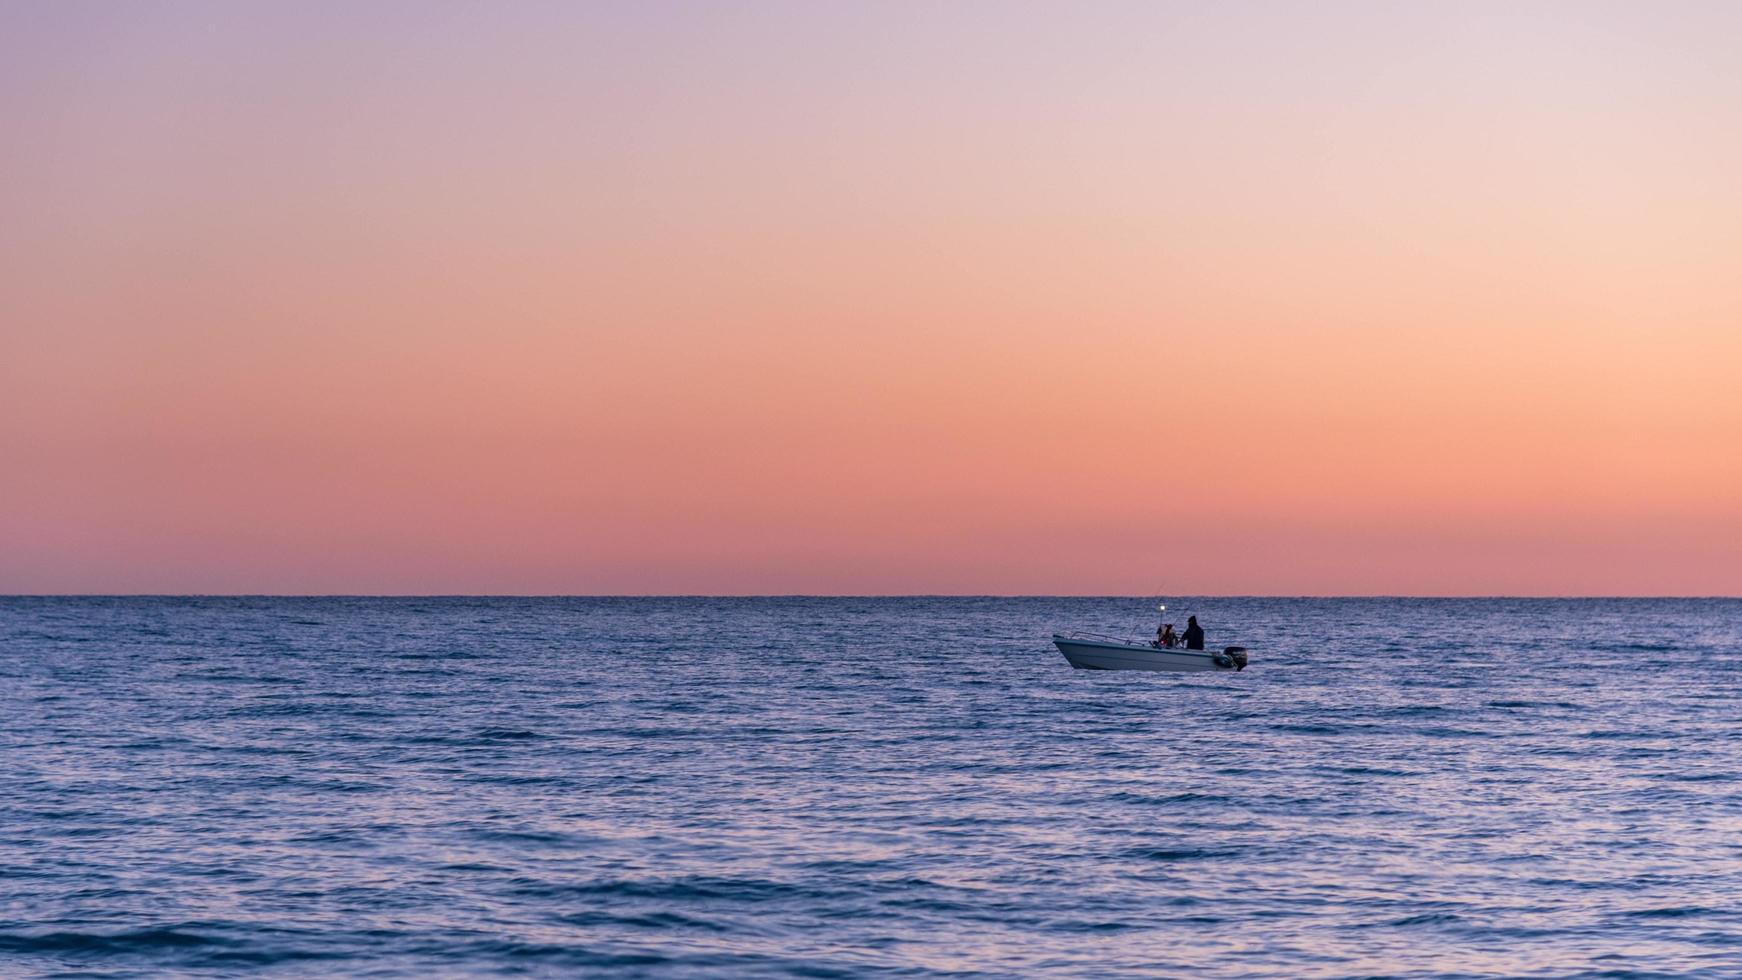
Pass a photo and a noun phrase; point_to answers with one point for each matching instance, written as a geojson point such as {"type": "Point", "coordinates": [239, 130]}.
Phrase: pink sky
{"type": "Point", "coordinates": [893, 298]}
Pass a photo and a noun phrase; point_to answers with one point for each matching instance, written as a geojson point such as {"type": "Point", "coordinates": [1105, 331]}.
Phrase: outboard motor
{"type": "Point", "coordinates": [1236, 656]}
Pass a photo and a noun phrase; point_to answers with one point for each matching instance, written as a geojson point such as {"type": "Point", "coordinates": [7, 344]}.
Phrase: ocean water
{"type": "Point", "coordinates": [864, 787]}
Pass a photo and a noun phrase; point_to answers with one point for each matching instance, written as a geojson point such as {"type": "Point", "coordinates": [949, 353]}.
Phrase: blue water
{"type": "Point", "coordinates": [844, 787]}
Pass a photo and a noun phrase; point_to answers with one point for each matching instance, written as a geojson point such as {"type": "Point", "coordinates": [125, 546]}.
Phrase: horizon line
{"type": "Point", "coordinates": [841, 595]}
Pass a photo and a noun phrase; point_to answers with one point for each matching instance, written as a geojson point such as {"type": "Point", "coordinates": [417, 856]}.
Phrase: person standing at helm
{"type": "Point", "coordinates": [1194, 634]}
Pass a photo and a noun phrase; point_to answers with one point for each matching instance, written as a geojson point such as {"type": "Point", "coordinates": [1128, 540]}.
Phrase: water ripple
{"type": "Point", "coordinates": [914, 787]}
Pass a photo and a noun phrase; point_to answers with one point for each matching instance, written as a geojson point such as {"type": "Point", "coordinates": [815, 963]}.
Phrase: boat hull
{"type": "Point", "coordinates": [1101, 655]}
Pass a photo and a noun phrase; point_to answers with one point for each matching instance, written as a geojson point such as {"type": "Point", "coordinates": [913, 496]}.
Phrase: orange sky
{"type": "Point", "coordinates": [799, 298]}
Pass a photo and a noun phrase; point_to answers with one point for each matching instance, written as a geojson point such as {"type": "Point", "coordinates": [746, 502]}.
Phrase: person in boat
{"type": "Point", "coordinates": [1194, 634]}
{"type": "Point", "coordinates": [1166, 637]}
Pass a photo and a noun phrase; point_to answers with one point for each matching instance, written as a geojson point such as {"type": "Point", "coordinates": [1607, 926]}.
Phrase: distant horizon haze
{"type": "Point", "coordinates": [1108, 298]}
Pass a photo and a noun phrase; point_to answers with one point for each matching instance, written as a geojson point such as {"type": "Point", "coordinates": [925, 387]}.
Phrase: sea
{"type": "Point", "coordinates": [844, 787]}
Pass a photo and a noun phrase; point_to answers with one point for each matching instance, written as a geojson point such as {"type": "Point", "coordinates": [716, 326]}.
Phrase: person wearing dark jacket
{"type": "Point", "coordinates": [1194, 634]}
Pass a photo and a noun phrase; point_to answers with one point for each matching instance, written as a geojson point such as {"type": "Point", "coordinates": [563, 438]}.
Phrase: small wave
{"type": "Point", "coordinates": [471, 866]}
{"type": "Point", "coordinates": [1182, 853]}
{"type": "Point", "coordinates": [657, 921]}
{"type": "Point", "coordinates": [509, 735]}
{"type": "Point", "coordinates": [1079, 925]}
{"type": "Point", "coordinates": [115, 942]}
{"type": "Point", "coordinates": [1310, 729]}
{"type": "Point", "coordinates": [928, 905]}
{"type": "Point", "coordinates": [524, 836]}
{"type": "Point", "coordinates": [1442, 731]}
{"type": "Point", "coordinates": [1368, 771]}
{"type": "Point", "coordinates": [1129, 797]}
{"type": "Point", "coordinates": [1427, 919]}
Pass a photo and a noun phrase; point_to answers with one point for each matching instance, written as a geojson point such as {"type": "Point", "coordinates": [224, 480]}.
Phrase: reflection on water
{"type": "Point", "coordinates": [415, 787]}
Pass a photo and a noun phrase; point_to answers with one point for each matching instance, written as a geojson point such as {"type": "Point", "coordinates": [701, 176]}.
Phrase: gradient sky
{"type": "Point", "coordinates": [1122, 298]}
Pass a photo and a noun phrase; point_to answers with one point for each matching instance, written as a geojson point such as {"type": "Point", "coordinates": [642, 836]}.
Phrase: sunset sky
{"type": "Point", "coordinates": [1067, 298]}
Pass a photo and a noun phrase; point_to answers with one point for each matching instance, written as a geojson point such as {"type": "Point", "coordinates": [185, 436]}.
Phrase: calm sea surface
{"type": "Point", "coordinates": [843, 787]}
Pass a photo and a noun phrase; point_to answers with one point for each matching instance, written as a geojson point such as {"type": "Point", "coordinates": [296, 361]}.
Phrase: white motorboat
{"type": "Point", "coordinates": [1092, 651]}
